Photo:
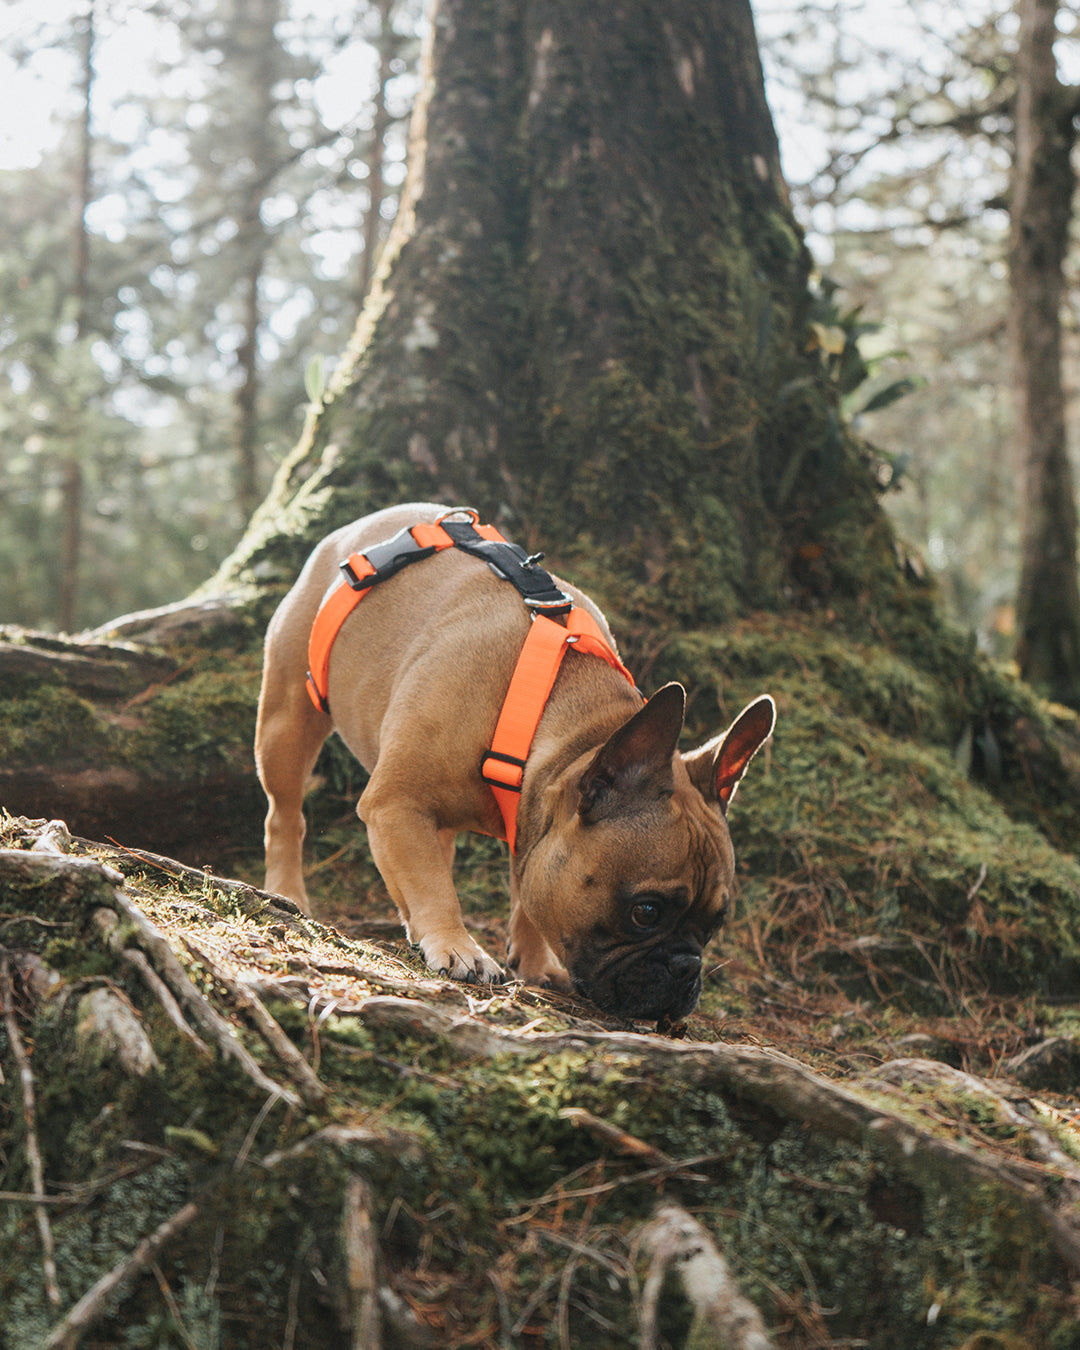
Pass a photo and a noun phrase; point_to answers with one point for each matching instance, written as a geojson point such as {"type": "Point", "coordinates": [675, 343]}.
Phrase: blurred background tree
{"type": "Point", "coordinates": [189, 195]}
{"type": "Point", "coordinates": [899, 146]}
{"type": "Point", "coordinates": [245, 158]}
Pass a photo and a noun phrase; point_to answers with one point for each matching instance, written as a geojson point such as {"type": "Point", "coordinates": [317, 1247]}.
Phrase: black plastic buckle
{"type": "Point", "coordinates": [388, 558]}
{"type": "Point", "coordinates": [510, 563]}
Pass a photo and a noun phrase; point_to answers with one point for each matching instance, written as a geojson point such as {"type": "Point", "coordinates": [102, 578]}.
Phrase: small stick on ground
{"type": "Point", "coordinates": [722, 1314]}
{"type": "Point", "coordinates": [629, 1145]}
{"type": "Point", "coordinates": [33, 1151]}
{"type": "Point", "coordinates": [299, 1070]}
{"type": "Point", "coordinates": [213, 1024]}
{"type": "Point", "coordinates": [360, 1267]}
{"type": "Point", "coordinates": [95, 1302]}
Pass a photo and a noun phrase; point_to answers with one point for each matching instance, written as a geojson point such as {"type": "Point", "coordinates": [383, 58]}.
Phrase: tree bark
{"type": "Point", "coordinates": [247, 392]}
{"type": "Point", "coordinates": [1048, 599]}
{"type": "Point", "coordinates": [589, 322]}
{"type": "Point", "coordinates": [71, 488]}
{"type": "Point", "coordinates": [380, 124]}
{"type": "Point", "coordinates": [258, 19]}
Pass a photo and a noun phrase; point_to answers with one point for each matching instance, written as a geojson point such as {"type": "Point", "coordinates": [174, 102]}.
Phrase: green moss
{"type": "Point", "coordinates": [49, 723]}
{"type": "Point", "coordinates": [865, 840]}
{"type": "Point", "coordinates": [208, 719]}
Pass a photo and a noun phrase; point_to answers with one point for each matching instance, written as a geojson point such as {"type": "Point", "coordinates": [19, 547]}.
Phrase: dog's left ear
{"type": "Point", "coordinates": [717, 767]}
{"type": "Point", "coordinates": [635, 764]}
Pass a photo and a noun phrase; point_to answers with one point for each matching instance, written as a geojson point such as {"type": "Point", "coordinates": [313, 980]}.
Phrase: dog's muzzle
{"type": "Point", "coordinates": [659, 982]}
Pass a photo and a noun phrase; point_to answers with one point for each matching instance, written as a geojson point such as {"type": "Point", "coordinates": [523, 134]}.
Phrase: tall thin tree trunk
{"type": "Point", "coordinates": [259, 19]}
{"type": "Point", "coordinates": [1048, 601]}
{"type": "Point", "coordinates": [71, 470]}
{"type": "Point", "coordinates": [247, 394]}
{"type": "Point", "coordinates": [379, 127]}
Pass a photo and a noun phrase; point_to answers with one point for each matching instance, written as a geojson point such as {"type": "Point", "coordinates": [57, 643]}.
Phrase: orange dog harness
{"type": "Point", "coordinates": [547, 642]}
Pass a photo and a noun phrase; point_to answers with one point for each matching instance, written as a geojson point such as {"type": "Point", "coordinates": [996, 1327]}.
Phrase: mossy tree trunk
{"type": "Point", "coordinates": [591, 318]}
{"type": "Point", "coordinates": [1044, 183]}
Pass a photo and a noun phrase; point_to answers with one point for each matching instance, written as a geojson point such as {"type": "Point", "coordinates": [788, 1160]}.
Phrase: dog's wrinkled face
{"type": "Point", "coordinates": [663, 900]}
{"type": "Point", "coordinates": [635, 878]}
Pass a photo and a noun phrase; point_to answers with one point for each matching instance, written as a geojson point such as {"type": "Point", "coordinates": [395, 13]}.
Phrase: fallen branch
{"type": "Point", "coordinates": [33, 1151]}
{"type": "Point", "coordinates": [94, 1303]}
{"type": "Point", "coordinates": [723, 1316]}
{"type": "Point", "coordinates": [361, 1267]}
{"type": "Point", "coordinates": [157, 947]}
{"type": "Point", "coordinates": [297, 1067]}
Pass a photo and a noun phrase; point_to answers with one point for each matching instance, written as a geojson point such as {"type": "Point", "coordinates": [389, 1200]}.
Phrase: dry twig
{"type": "Point", "coordinates": [93, 1304]}
{"type": "Point", "coordinates": [629, 1145]}
{"type": "Point", "coordinates": [33, 1151]}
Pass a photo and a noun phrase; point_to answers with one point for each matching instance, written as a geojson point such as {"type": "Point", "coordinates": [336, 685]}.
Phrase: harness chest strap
{"type": "Point", "coordinates": [546, 643]}
{"type": "Point", "coordinates": [538, 664]}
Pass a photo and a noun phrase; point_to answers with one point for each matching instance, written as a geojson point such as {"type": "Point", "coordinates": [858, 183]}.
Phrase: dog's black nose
{"type": "Point", "coordinates": [684, 967]}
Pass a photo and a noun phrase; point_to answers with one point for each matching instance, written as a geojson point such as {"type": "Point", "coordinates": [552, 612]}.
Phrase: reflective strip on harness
{"type": "Point", "coordinates": [545, 646]}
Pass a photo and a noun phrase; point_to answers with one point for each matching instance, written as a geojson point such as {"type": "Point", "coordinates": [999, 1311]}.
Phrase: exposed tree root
{"type": "Point", "coordinates": [723, 1316]}
{"type": "Point", "coordinates": [300, 1071]}
{"type": "Point", "coordinates": [157, 947]}
{"type": "Point", "coordinates": [769, 1079]}
{"type": "Point", "coordinates": [438, 1053]}
{"type": "Point", "coordinates": [37, 1176]}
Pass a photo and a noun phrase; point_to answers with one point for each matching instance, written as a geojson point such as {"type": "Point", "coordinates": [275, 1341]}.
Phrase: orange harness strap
{"type": "Point", "coordinates": [340, 603]}
{"type": "Point", "coordinates": [547, 642]}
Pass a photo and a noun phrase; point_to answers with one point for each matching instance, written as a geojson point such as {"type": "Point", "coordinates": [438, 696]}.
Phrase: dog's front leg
{"type": "Point", "coordinates": [414, 856]}
{"type": "Point", "coordinates": [528, 954]}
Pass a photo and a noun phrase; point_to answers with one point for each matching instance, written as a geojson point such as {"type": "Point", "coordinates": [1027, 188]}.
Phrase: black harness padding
{"type": "Point", "coordinates": [510, 561]}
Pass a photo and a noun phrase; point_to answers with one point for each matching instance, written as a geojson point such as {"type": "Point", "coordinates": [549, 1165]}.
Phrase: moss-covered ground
{"type": "Point", "coordinates": [906, 893]}
{"type": "Point", "coordinates": [500, 1220]}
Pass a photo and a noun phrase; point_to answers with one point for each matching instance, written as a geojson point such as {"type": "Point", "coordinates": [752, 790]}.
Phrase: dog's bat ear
{"type": "Point", "coordinates": [636, 759]}
{"type": "Point", "coordinates": [716, 768]}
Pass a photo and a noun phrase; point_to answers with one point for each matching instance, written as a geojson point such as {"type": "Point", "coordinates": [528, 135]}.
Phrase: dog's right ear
{"type": "Point", "coordinates": [636, 761]}
{"type": "Point", "coordinates": [716, 769]}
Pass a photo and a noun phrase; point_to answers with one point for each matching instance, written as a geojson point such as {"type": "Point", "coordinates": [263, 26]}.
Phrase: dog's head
{"type": "Point", "coordinates": [634, 876]}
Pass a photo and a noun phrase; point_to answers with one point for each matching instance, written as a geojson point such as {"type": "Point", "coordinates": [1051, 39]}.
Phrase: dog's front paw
{"type": "Point", "coordinates": [462, 959]}
{"type": "Point", "coordinates": [541, 969]}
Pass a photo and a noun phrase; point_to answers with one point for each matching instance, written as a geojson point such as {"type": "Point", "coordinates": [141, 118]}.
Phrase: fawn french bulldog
{"type": "Point", "coordinates": [621, 863]}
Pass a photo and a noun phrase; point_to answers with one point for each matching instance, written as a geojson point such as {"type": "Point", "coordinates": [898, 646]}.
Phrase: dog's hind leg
{"type": "Point", "coordinates": [288, 737]}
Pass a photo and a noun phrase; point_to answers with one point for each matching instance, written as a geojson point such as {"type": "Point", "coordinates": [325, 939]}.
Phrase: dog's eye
{"type": "Point", "coordinates": [645, 914]}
